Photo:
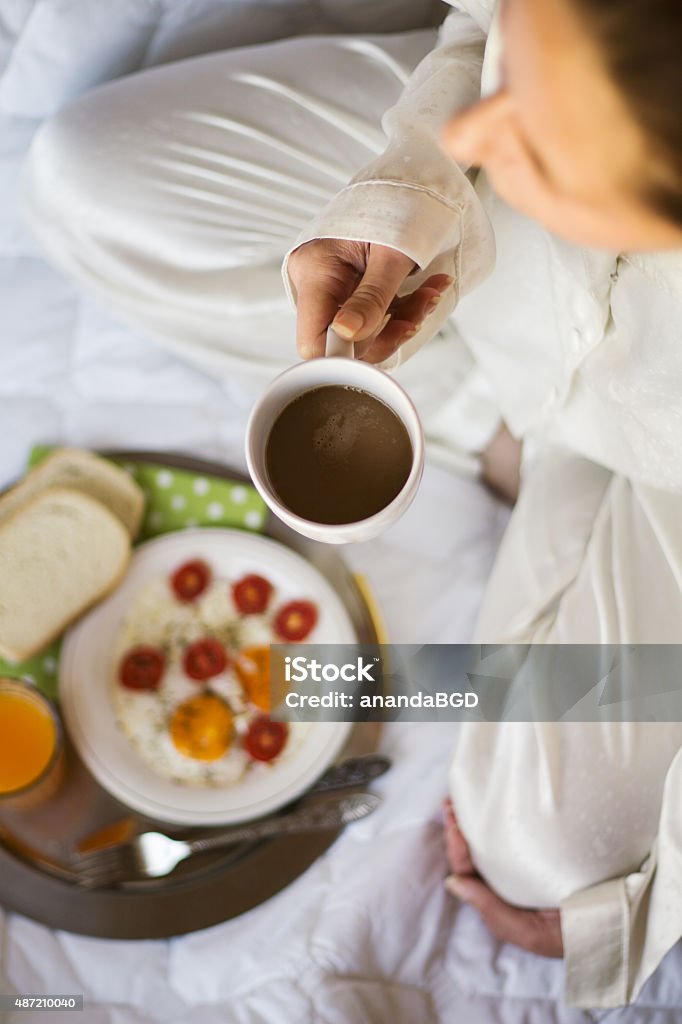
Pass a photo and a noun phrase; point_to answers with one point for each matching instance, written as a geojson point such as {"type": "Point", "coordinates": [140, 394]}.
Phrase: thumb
{"type": "Point", "coordinates": [469, 889]}
{"type": "Point", "coordinates": [509, 923]}
{"type": "Point", "coordinates": [497, 914]}
{"type": "Point", "coordinates": [362, 315]}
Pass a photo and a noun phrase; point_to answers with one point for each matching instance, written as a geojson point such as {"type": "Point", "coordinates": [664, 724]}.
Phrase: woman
{"type": "Point", "coordinates": [173, 194]}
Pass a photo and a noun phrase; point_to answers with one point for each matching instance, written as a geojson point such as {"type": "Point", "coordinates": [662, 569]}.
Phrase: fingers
{"type": "Point", "coordinates": [538, 931]}
{"type": "Point", "coordinates": [354, 287]}
{"type": "Point", "coordinates": [324, 272]}
{"type": "Point", "coordinates": [407, 315]}
{"type": "Point", "coordinates": [361, 315]}
{"type": "Point", "coordinates": [317, 302]}
{"type": "Point", "coordinates": [420, 303]}
{"type": "Point", "coordinates": [505, 921]}
{"type": "Point", "coordinates": [395, 334]}
{"type": "Point", "coordinates": [456, 846]}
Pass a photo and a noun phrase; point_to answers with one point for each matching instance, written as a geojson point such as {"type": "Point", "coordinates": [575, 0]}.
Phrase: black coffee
{"type": "Point", "coordinates": [337, 455]}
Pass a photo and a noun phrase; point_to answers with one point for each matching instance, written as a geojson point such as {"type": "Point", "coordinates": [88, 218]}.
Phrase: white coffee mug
{"type": "Point", "coordinates": [339, 368]}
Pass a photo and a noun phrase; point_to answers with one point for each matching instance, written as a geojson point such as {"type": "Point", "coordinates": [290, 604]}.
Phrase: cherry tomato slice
{"type": "Point", "coordinates": [265, 739]}
{"type": "Point", "coordinates": [204, 659]}
{"type": "Point", "coordinates": [190, 580]}
{"type": "Point", "coordinates": [252, 666]}
{"type": "Point", "coordinates": [295, 620]}
{"type": "Point", "coordinates": [252, 594]}
{"type": "Point", "coordinates": [142, 668]}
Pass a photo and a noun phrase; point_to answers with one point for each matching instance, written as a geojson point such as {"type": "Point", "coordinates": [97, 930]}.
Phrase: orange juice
{"type": "Point", "coordinates": [28, 736]}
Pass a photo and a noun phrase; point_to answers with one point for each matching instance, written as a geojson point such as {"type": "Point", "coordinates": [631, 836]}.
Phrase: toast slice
{"type": "Point", "coordinates": [81, 471]}
{"type": "Point", "coordinates": [59, 553]}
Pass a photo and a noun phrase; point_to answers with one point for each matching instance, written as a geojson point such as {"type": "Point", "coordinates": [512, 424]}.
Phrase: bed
{"type": "Point", "coordinates": [368, 934]}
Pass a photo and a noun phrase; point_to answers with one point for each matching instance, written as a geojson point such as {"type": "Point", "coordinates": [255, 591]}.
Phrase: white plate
{"type": "Point", "coordinates": [86, 668]}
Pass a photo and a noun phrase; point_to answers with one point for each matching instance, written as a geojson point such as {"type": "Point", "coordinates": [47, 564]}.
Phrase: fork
{"type": "Point", "coordinates": [153, 854]}
{"type": "Point", "coordinates": [353, 773]}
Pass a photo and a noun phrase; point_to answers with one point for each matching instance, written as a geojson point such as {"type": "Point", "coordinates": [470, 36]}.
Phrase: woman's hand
{"type": "Point", "coordinates": [355, 285]}
{"type": "Point", "coordinates": [538, 931]}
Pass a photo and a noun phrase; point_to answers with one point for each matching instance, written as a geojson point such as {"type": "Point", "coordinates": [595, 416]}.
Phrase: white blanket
{"type": "Point", "coordinates": [368, 933]}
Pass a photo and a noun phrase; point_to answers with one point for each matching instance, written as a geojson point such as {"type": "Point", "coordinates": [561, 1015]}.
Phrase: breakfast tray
{"type": "Point", "coordinates": [35, 879]}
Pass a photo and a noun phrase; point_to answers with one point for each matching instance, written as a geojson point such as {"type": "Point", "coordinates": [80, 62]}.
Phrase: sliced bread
{"type": "Point", "coordinates": [59, 553]}
{"type": "Point", "coordinates": [81, 471]}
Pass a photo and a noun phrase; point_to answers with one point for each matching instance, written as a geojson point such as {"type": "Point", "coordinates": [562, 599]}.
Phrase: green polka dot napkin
{"type": "Point", "coordinates": [175, 499]}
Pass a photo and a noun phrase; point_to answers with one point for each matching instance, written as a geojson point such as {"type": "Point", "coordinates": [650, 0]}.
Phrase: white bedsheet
{"type": "Point", "coordinates": [367, 934]}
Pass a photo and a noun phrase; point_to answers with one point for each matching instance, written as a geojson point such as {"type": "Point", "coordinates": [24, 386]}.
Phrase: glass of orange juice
{"type": "Point", "coordinates": [31, 745]}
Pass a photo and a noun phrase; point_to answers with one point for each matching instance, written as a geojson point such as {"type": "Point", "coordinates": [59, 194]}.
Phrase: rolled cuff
{"type": "Point", "coordinates": [595, 929]}
{"type": "Point", "coordinates": [412, 220]}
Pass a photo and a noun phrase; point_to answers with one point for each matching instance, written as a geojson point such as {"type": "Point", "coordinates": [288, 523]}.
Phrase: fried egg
{"type": "Point", "coordinates": [188, 731]}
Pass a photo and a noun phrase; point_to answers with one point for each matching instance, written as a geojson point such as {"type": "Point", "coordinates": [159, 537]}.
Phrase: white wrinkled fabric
{"type": "Point", "coordinates": [172, 197]}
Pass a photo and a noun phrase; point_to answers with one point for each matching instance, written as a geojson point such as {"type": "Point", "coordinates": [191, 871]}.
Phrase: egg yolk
{"type": "Point", "coordinates": [202, 727]}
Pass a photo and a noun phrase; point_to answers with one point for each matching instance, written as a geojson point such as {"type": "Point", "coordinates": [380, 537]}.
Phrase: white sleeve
{"type": "Point", "coordinates": [413, 197]}
{"type": "Point", "coordinates": [616, 933]}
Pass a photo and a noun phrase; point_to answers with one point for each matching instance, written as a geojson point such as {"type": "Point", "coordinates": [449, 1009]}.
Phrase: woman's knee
{"type": "Point", "coordinates": [67, 179]}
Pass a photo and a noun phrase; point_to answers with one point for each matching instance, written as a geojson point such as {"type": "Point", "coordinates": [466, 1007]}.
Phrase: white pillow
{"type": "Point", "coordinates": [64, 47]}
{"type": "Point", "coordinates": [67, 46]}
{"type": "Point", "coordinates": [13, 16]}
{"type": "Point", "coordinates": [202, 26]}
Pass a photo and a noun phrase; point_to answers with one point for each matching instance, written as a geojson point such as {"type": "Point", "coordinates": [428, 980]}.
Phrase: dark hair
{"type": "Point", "coordinates": [641, 42]}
